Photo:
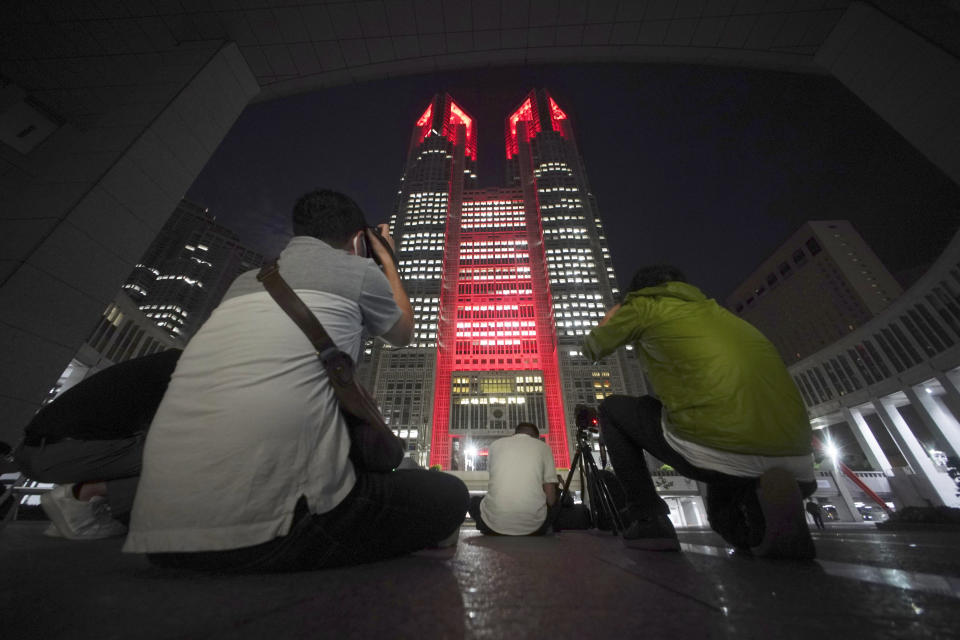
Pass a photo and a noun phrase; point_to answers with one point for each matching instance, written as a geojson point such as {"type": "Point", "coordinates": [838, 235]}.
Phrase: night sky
{"type": "Point", "coordinates": [706, 168]}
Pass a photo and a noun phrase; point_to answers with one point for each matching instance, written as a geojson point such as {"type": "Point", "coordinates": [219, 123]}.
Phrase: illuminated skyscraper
{"type": "Point", "coordinates": [186, 270]}
{"type": "Point", "coordinates": [505, 283]}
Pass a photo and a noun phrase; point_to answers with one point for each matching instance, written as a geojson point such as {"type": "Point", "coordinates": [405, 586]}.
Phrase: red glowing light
{"type": "Point", "coordinates": [526, 114]}
{"type": "Point", "coordinates": [492, 320]}
{"type": "Point", "coordinates": [425, 118]}
{"type": "Point", "coordinates": [556, 115]}
{"type": "Point", "coordinates": [458, 116]}
{"type": "Point", "coordinates": [425, 122]}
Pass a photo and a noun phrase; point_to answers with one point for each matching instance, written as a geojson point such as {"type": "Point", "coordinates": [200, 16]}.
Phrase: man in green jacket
{"type": "Point", "coordinates": [727, 414]}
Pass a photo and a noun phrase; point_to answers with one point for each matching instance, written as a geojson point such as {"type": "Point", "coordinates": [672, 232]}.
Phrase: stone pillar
{"type": "Point", "coordinates": [845, 496]}
{"type": "Point", "coordinates": [940, 488]}
{"type": "Point", "coordinates": [909, 81]}
{"type": "Point", "coordinates": [867, 441]}
{"type": "Point", "coordinates": [951, 387]}
{"type": "Point", "coordinates": [935, 416]}
{"type": "Point", "coordinates": [951, 382]}
{"type": "Point", "coordinates": [77, 212]}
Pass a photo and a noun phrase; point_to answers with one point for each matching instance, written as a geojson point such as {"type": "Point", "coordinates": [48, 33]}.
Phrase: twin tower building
{"type": "Point", "coordinates": [505, 283]}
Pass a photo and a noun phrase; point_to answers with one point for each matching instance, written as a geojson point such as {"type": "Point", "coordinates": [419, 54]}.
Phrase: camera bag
{"type": "Point", "coordinates": [373, 447]}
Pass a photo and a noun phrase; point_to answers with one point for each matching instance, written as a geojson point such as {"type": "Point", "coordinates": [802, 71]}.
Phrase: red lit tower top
{"type": "Point", "coordinates": [441, 118]}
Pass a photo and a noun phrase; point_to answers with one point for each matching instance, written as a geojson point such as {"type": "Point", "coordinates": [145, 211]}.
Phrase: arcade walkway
{"type": "Point", "coordinates": [866, 584]}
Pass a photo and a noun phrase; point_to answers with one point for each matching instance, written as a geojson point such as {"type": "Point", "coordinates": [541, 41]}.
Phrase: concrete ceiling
{"type": "Point", "coordinates": [79, 57]}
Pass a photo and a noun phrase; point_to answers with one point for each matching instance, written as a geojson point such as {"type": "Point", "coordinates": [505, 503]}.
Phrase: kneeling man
{"type": "Point", "coordinates": [89, 442]}
{"type": "Point", "coordinates": [728, 415]}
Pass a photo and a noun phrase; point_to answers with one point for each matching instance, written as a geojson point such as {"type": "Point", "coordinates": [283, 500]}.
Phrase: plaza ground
{"type": "Point", "coordinates": [865, 584]}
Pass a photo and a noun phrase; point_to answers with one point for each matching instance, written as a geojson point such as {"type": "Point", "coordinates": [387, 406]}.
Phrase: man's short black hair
{"type": "Point", "coordinates": [528, 428]}
{"type": "Point", "coordinates": [327, 215]}
{"type": "Point", "coordinates": [656, 274]}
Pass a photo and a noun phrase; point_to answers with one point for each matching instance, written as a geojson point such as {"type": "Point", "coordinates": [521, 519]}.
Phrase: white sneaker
{"type": "Point", "coordinates": [52, 532]}
{"type": "Point", "coordinates": [78, 520]}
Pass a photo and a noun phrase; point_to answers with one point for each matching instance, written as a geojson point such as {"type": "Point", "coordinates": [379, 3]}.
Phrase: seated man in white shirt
{"type": "Point", "coordinates": [522, 488]}
{"type": "Point", "coordinates": [246, 466]}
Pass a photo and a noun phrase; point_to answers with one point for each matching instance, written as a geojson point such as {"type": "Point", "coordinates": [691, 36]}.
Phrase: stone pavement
{"type": "Point", "coordinates": [866, 584]}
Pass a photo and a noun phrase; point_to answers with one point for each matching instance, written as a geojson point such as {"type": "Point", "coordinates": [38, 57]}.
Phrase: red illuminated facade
{"type": "Point", "coordinates": [504, 282]}
{"type": "Point", "coordinates": [496, 317]}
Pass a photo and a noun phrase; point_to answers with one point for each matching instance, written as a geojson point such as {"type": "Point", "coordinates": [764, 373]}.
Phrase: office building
{"type": "Point", "coordinates": [505, 283]}
{"type": "Point", "coordinates": [186, 270]}
{"type": "Point", "coordinates": [818, 286]}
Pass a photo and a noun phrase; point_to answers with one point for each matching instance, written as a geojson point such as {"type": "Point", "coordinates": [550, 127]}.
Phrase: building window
{"type": "Point", "coordinates": [813, 246]}
{"type": "Point", "coordinates": [799, 257]}
{"type": "Point", "coordinates": [784, 268]}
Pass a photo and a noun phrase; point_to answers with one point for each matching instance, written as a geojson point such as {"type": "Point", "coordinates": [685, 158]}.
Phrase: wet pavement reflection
{"type": "Point", "coordinates": [865, 583]}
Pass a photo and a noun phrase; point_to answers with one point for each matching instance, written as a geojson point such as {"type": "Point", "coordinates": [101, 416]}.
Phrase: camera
{"type": "Point", "coordinates": [586, 418]}
{"type": "Point", "coordinates": [375, 232]}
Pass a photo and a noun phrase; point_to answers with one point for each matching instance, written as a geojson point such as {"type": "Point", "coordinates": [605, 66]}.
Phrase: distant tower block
{"type": "Point", "coordinates": [818, 286]}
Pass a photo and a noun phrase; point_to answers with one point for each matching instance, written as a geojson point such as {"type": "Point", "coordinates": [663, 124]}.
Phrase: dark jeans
{"type": "Point", "coordinates": [116, 462]}
{"type": "Point", "coordinates": [631, 426]}
{"type": "Point", "coordinates": [567, 517]}
{"type": "Point", "coordinates": [385, 515]}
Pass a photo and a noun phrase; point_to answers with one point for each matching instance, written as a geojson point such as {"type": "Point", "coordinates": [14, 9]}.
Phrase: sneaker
{"type": "Point", "coordinates": [785, 533]}
{"type": "Point", "coordinates": [78, 520]}
{"type": "Point", "coordinates": [52, 532]}
{"type": "Point", "coordinates": [654, 533]}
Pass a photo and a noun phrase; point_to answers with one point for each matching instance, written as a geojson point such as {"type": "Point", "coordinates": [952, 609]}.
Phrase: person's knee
{"type": "Point", "coordinates": [612, 405]}
{"type": "Point", "coordinates": [452, 494]}
{"type": "Point", "coordinates": [614, 412]}
{"type": "Point", "coordinates": [34, 465]}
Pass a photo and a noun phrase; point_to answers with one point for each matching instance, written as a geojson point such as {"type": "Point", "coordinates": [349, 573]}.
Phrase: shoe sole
{"type": "Point", "coordinates": [56, 517]}
{"type": "Point", "coordinates": [652, 544]}
{"type": "Point", "coordinates": [786, 534]}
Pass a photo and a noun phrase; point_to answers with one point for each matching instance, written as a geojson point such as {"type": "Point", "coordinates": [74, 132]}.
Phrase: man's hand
{"type": "Point", "coordinates": [400, 334]}
{"type": "Point", "coordinates": [609, 315]}
{"type": "Point", "coordinates": [380, 251]}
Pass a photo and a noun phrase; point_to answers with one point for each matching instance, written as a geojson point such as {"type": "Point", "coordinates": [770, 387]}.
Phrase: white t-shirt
{"type": "Point", "coordinates": [249, 423]}
{"type": "Point", "coordinates": [738, 464]}
{"type": "Point", "coordinates": [519, 467]}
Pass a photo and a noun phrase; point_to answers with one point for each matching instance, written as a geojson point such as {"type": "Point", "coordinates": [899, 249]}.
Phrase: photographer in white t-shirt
{"type": "Point", "coordinates": [523, 486]}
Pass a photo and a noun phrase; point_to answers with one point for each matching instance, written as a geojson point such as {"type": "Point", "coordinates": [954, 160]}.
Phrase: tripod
{"type": "Point", "coordinates": [602, 507]}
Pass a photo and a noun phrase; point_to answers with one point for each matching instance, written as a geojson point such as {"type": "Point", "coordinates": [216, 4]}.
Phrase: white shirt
{"type": "Point", "coordinates": [249, 423]}
{"type": "Point", "coordinates": [739, 464]}
{"type": "Point", "coordinates": [519, 467]}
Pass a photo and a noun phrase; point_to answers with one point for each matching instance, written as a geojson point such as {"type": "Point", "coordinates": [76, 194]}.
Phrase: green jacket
{"type": "Point", "coordinates": [721, 382]}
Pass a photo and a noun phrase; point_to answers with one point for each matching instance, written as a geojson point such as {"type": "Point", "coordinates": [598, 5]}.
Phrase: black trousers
{"type": "Point", "coordinates": [567, 517]}
{"type": "Point", "coordinates": [116, 462]}
{"type": "Point", "coordinates": [631, 426]}
{"type": "Point", "coordinates": [385, 515]}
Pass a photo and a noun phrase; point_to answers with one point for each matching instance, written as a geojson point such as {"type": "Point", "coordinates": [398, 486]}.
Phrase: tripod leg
{"type": "Point", "coordinates": [564, 490]}
{"type": "Point", "coordinates": [601, 501]}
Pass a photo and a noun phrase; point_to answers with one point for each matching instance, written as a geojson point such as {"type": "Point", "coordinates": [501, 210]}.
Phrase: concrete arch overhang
{"type": "Point", "coordinates": [574, 54]}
